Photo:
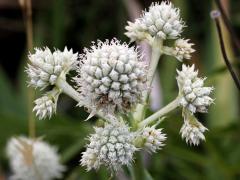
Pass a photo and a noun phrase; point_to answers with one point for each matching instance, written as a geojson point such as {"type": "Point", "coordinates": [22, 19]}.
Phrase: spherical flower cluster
{"type": "Point", "coordinates": [192, 130]}
{"type": "Point", "coordinates": [162, 21]}
{"type": "Point", "coordinates": [33, 160]}
{"type": "Point", "coordinates": [111, 77]}
{"type": "Point", "coordinates": [153, 139]}
{"type": "Point", "coordinates": [183, 49]}
{"type": "Point", "coordinates": [195, 96]}
{"type": "Point", "coordinates": [46, 67]}
{"type": "Point", "coordinates": [46, 105]}
{"type": "Point", "coordinates": [110, 146]}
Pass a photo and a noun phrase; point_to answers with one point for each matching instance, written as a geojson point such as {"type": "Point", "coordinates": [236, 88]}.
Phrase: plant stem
{"type": "Point", "coordinates": [171, 106]}
{"type": "Point", "coordinates": [68, 90]}
{"type": "Point", "coordinates": [215, 15]}
{"type": "Point", "coordinates": [137, 172]}
{"type": "Point", "coordinates": [229, 27]}
{"type": "Point", "coordinates": [26, 6]}
{"type": "Point", "coordinates": [156, 54]}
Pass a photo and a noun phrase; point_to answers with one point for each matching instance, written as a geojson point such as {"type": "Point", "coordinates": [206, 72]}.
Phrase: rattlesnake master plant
{"type": "Point", "coordinates": [113, 82]}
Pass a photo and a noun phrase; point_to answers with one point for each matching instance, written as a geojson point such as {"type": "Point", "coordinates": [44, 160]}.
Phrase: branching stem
{"type": "Point", "coordinates": [168, 108]}
{"type": "Point", "coordinates": [156, 54]}
{"type": "Point", "coordinates": [68, 90]}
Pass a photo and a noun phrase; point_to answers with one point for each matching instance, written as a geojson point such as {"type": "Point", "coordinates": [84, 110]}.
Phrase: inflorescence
{"type": "Point", "coordinates": [112, 80]}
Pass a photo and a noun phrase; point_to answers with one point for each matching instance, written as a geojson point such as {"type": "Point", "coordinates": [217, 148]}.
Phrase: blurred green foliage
{"type": "Point", "coordinates": [76, 23]}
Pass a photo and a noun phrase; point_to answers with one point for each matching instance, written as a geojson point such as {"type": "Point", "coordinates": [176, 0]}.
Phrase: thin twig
{"type": "Point", "coordinates": [228, 25]}
{"type": "Point", "coordinates": [215, 16]}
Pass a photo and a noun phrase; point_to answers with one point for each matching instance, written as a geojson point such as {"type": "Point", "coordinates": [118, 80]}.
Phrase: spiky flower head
{"type": "Point", "coordinates": [195, 96]}
{"type": "Point", "coordinates": [45, 67]}
{"type": "Point", "coordinates": [192, 130]}
{"type": "Point", "coordinates": [161, 20]}
{"type": "Point", "coordinates": [153, 138]}
{"type": "Point", "coordinates": [33, 159]}
{"type": "Point", "coordinates": [135, 31]}
{"type": "Point", "coordinates": [111, 77]}
{"type": "Point", "coordinates": [111, 146]}
{"type": "Point", "coordinates": [46, 105]}
{"type": "Point", "coordinates": [183, 49]}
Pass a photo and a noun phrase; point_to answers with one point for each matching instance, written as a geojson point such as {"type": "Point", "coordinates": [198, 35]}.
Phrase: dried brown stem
{"type": "Point", "coordinates": [215, 16]}
{"type": "Point", "coordinates": [228, 25]}
{"type": "Point", "coordinates": [26, 6]}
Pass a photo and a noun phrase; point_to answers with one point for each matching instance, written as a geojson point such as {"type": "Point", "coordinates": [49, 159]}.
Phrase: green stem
{"type": "Point", "coordinates": [137, 172]}
{"type": "Point", "coordinates": [27, 13]}
{"type": "Point", "coordinates": [68, 90]}
{"type": "Point", "coordinates": [171, 106]}
{"type": "Point", "coordinates": [156, 54]}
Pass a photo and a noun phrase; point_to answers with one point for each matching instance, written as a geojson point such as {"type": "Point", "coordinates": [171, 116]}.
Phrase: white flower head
{"type": "Point", "coordinates": [111, 145]}
{"type": "Point", "coordinates": [135, 31]}
{"type": "Point", "coordinates": [195, 96]}
{"type": "Point", "coordinates": [192, 130]}
{"type": "Point", "coordinates": [183, 49]}
{"type": "Point", "coordinates": [153, 138]}
{"type": "Point", "coordinates": [111, 77]}
{"type": "Point", "coordinates": [45, 67]}
{"type": "Point", "coordinates": [162, 20]}
{"type": "Point", "coordinates": [33, 159]}
{"type": "Point", "coordinates": [46, 105]}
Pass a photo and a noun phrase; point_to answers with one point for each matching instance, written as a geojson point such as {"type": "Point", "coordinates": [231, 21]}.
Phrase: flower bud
{"type": "Point", "coordinates": [183, 49]}
{"type": "Point", "coordinates": [47, 104]}
{"type": "Point", "coordinates": [45, 67]}
{"type": "Point", "coordinates": [153, 139]}
{"type": "Point", "coordinates": [135, 31]}
{"type": "Point", "coordinates": [195, 97]}
{"type": "Point", "coordinates": [192, 130]}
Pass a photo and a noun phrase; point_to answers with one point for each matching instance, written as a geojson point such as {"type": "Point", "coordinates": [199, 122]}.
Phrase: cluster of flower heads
{"type": "Point", "coordinates": [112, 77]}
{"type": "Point", "coordinates": [33, 159]}
{"type": "Point", "coordinates": [162, 21]}
{"type": "Point", "coordinates": [114, 145]}
{"type": "Point", "coordinates": [194, 98]}
{"type": "Point", "coordinates": [44, 70]}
